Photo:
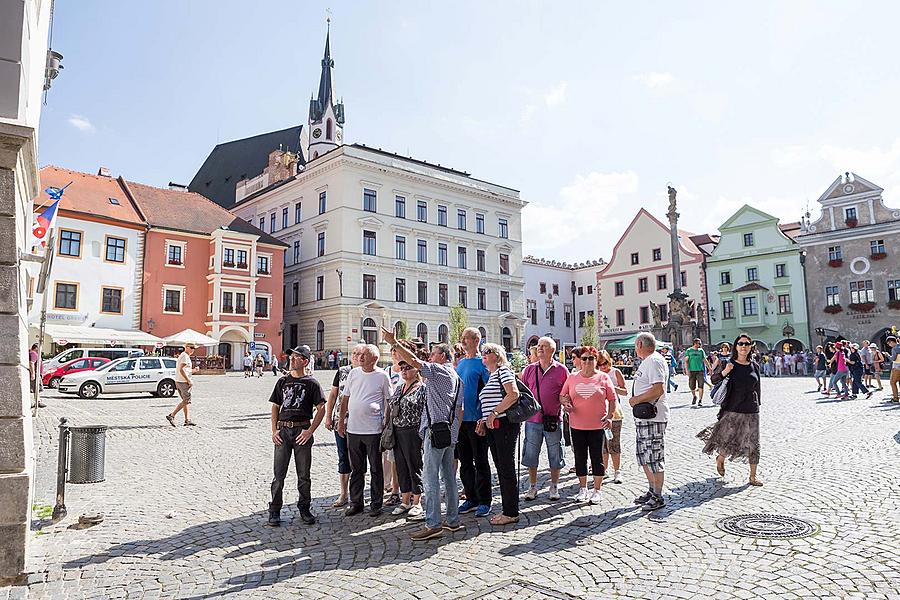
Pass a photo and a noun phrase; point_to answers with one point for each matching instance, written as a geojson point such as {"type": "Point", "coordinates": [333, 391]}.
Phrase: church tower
{"type": "Point", "coordinates": [326, 118]}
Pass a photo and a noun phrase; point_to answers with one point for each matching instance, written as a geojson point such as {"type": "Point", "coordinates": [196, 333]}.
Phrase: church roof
{"type": "Point", "coordinates": [325, 97]}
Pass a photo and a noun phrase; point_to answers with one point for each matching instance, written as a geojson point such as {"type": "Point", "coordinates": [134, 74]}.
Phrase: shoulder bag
{"type": "Point", "coordinates": [644, 410]}
{"type": "Point", "coordinates": [721, 392]}
{"type": "Point", "coordinates": [388, 435]}
{"type": "Point", "coordinates": [440, 434]}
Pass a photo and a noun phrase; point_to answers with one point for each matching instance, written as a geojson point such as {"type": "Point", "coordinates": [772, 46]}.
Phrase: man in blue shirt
{"type": "Point", "coordinates": [472, 448]}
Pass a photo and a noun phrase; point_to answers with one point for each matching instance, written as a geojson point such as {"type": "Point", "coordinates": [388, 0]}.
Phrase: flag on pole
{"type": "Point", "coordinates": [44, 221]}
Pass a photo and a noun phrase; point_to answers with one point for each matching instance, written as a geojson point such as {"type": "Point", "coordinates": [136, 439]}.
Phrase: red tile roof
{"type": "Point", "coordinates": [88, 195]}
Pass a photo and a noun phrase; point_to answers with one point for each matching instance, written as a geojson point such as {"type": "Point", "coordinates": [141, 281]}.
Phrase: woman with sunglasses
{"type": "Point", "coordinates": [736, 434]}
{"type": "Point", "coordinates": [497, 395]}
{"type": "Point", "coordinates": [589, 398]}
{"type": "Point", "coordinates": [613, 447]}
{"type": "Point", "coordinates": [406, 414]}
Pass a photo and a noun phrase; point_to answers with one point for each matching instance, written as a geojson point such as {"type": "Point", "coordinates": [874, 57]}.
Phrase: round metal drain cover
{"type": "Point", "coordinates": [774, 527]}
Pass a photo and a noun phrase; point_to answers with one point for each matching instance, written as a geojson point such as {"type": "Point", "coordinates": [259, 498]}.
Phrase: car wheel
{"type": "Point", "coordinates": [53, 383]}
{"type": "Point", "coordinates": [166, 388]}
{"type": "Point", "coordinates": [89, 390]}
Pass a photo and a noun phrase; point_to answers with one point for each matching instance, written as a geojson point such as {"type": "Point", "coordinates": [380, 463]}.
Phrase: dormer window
{"type": "Point", "coordinates": [850, 213]}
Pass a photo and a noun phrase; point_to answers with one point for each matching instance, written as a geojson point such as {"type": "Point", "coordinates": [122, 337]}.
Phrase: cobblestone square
{"type": "Point", "coordinates": [185, 510]}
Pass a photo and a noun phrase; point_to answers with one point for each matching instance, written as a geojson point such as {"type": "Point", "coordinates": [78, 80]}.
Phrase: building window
{"type": "Point", "coordinates": [657, 254]}
{"type": "Point", "coordinates": [620, 317]}
{"type": "Point", "coordinates": [504, 301]}
{"type": "Point", "coordinates": [369, 287]}
{"type": "Point", "coordinates": [781, 270]}
{"type": "Point", "coordinates": [635, 258]}
{"type": "Point", "coordinates": [725, 277]}
{"type": "Point", "coordinates": [850, 213]}
{"type": "Point", "coordinates": [581, 317]}
{"type": "Point", "coordinates": [292, 336]}
{"type": "Point", "coordinates": [400, 247]}
{"type": "Point", "coordinates": [461, 257]}
{"type": "Point", "coordinates": [442, 294]}
{"type": "Point", "coordinates": [272, 222]}
{"type": "Point", "coordinates": [684, 279]}
{"type": "Point", "coordinates": [262, 223]}
{"type": "Point", "coordinates": [861, 291]}
{"type": "Point", "coordinates": [422, 333]}
{"type": "Point", "coordinates": [228, 257]}
{"type": "Point", "coordinates": [423, 292]}
{"type": "Point", "coordinates": [556, 289]}
{"type": "Point", "coordinates": [442, 255]}
{"type": "Point", "coordinates": [504, 264]}
{"type": "Point", "coordinates": [643, 285]}
{"type": "Point", "coordinates": [832, 295]}
{"type": "Point", "coordinates": [482, 299]}
{"type": "Point", "coordinates": [543, 287]}
{"type": "Point", "coordinates": [422, 251]}
{"type": "Point", "coordinates": [296, 216]}
{"type": "Point", "coordinates": [400, 290]}
{"type": "Point", "coordinates": [750, 307]}
{"type": "Point", "coordinates": [442, 215]}
{"type": "Point", "coordinates": [581, 290]}
{"type": "Point", "coordinates": [503, 228]}
{"type": "Point", "coordinates": [877, 247]}
{"type": "Point", "coordinates": [661, 282]}
{"type": "Point", "coordinates": [400, 207]}
{"type": "Point", "coordinates": [369, 243]}
{"type": "Point", "coordinates": [262, 265]}
{"type": "Point", "coordinates": [620, 288]}
{"type": "Point", "coordinates": [320, 335]}
{"type": "Point", "coordinates": [422, 211]}
{"type": "Point", "coordinates": [320, 287]}
{"type": "Point", "coordinates": [568, 316]}
{"type": "Point", "coordinates": [112, 301]}
{"type": "Point", "coordinates": [262, 308]}
{"type": "Point", "coordinates": [296, 251]}
{"type": "Point", "coordinates": [531, 311]}
{"type": "Point", "coordinates": [479, 260]}
{"type": "Point", "coordinates": [323, 202]}
{"type": "Point", "coordinates": [241, 259]}
{"type": "Point", "coordinates": [284, 218]}
{"type": "Point", "coordinates": [172, 303]}
{"type": "Point", "coordinates": [115, 249]}
{"type": "Point", "coordinates": [479, 223]}
{"type": "Point", "coordinates": [752, 274]}
{"type": "Point", "coordinates": [728, 309]}
{"type": "Point", "coordinates": [370, 331]}
{"type": "Point", "coordinates": [748, 240]}
{"type": "Point", "coordinates": [663, 312]}
{"type": "Point", "coordinates": [893, 288]}
{"type": "Point", "coordinates": [443, 334]}
{"type": "Point", "coordinates": [645, 315]}
{"type": "Point", "coordinates": [464, 296]}
{"type": "Point", "coordinates": [227, 302]}
{"type": "Point", "coordinates": [834, 253]}
{"type": "Point", "coordinates": [295, 294]}
{"type": "Point", "coordinates": [369, 200]}
{"type": "Point", "coordinates": [461, 219]}
{"type": "Point", "coordinates": [590, 290]}
{"type": "Point", "coordinates": [320, 244]}
{"type": "Point", "coordinates": [174, 255]}
{"type": "Point", "coordinates": [70, 243]}
{"type": "Point", "coordinates": [551, 314]}
{"type": "Point", "coordinates": [240, 303]}
{"type": "Point", "coordinates": [784, 304]}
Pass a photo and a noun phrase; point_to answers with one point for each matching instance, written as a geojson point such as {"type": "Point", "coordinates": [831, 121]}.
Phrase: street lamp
{"type": "Point", "coordinates": [712, 313]}
{"type": "Point", "coordinates": [605, 322]}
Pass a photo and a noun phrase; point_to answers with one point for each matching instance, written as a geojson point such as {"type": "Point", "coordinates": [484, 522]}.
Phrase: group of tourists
{"type": "Point", "coordinates": [840, 362]}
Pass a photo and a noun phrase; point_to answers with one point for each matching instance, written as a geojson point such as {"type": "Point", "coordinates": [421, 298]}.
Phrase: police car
{"type": "Point", "coordinates": [152, 374]}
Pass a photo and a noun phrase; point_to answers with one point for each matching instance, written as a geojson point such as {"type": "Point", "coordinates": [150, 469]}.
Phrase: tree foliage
{"type": "Point", "coordinates": [459, 320]}
{"type": "Point", "coordinates": [402, 330]}
{"type": "Point", "coordinates": [589, 337]}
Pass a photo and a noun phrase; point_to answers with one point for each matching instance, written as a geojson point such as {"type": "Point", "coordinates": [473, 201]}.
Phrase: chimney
{"type": "Point", "coordinates": [104, 172]}
{"type": "Point", "coordinates": [178, 187]}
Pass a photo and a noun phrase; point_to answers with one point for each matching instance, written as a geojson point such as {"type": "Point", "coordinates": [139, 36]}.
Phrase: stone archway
{"type": "Point", "coordinates": [879, 337]}
{"type": "Point", "coordinates": [791, 345]}
{"type": "Point", "coordinates": [532, 341]}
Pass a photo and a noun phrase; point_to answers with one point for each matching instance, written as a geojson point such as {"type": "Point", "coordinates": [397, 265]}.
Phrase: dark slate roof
{"type": "Point", "coordinates": [230, 162]}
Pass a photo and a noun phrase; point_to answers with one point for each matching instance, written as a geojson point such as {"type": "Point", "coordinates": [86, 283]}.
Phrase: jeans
{"type": "Point", "coordinates": [365, 448]}
{"type": "Point", "coordinates": [439, 466]}
{"type": "Point", "coordinates": [670, 382]}
{"type": "Point", "coordinates": [502, 443]}
{"type": "Point", "coordinates": [534, 437]}
{"type": "Point", "coordinates": [340, 442]}
{"type": "Point", "coordinates": [840, 376]}
{"type": "Point", "coordinates": [302, 462]}
{"type": "Point", "coordinates": [858, 385]}
{"type": "Point", "coordinates": [474, 468]}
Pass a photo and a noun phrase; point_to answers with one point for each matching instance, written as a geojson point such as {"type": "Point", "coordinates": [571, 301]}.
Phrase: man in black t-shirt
{"type": "Point", "coordinates": [293, 400]}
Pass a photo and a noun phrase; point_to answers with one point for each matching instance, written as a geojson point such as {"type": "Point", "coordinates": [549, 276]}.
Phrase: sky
{"type": "Point", "coordinates": [590, 108]}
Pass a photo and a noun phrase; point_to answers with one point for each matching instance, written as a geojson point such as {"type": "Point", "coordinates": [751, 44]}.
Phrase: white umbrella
{"type": "Point", "coordinates": [189, 336]}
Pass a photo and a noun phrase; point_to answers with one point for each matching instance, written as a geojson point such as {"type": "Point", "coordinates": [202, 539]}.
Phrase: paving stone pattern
{"type": "Point", "coordinates": [830, 462]}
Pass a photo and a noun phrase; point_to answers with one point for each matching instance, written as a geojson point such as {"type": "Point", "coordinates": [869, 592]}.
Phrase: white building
{"type": "Point", "coordinates": [558, 299]}
{"type": "Point", "coordinates": [376, 238]}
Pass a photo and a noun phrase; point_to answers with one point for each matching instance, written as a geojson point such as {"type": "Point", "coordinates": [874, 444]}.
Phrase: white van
{"type": "Point", "coordinates": [73, 353]}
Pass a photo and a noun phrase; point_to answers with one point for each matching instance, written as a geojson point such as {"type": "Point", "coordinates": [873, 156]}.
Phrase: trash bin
{"type": "Point", "coordinates": [87, 454]}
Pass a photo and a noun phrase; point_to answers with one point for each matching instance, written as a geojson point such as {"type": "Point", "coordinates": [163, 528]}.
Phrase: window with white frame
{"type": "Point", "coordinates": [172, 299]}
{"type": "Point", "coordinates": [422, 251]}
{"type": "Point", "coordinates": [502, 228]}
{"type": "Point", "coordinates": [400, 247]}
{"type": "Point", "coordinates": [174, 254]}
{"type": "Point", "coordinates": [861, 291]}
{"type": "Point", "coordinates": [750, 306]}
{"type": "Point", "coordinates": [320, 287]}
{"type": "Point", "coordinates": [263, 264]}
{"type": "Point", "coordinates": [877, 247]}
{"type": "Point", "coordinates": [832, 295]}
{"type": "Point", "coordinates": [262, 307]}
{"type": "Point", "coordinates": [728, 309]}
{"type": "Point", "coordinates": [748, 240]}
{"type": "Point", "coordinates": [241, 259]}
{"type": "Point", "coordinates": [369, 200]}
{"type": "Point", "coordinates": [784, 304]}
{"type": "Point", "coordinates": [781, 270]}
{"type": "Point", "coordinates": [893, 288]}
{"type": "Point", "coordinates": [400, 207]}
{"type": "Point", "coordinates": [834, 253]}
{"type": "Point", "coordinates": [369, 243]}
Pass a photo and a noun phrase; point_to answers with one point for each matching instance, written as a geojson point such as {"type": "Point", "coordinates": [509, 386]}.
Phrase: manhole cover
{"type": "Point", "coordinates": [775, 527]}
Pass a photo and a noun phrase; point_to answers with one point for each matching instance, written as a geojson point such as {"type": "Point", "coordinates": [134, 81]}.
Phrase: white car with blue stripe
{"type": "Point", "coordinates": [153, 374]}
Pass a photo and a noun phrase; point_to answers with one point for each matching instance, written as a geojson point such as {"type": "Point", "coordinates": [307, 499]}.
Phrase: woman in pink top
{"type": "Point", "coordinates": [589, 398]}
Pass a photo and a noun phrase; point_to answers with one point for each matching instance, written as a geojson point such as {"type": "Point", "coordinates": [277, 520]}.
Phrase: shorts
{"type": "Point", "coordinates": [534, 436]}
{"type": "Point", "coordinates": [614, 446]}
{"type": "Point", "coordinates": [695, 379]}
{"type": "Point", "coordinates": [247, 368]}
{"type": "Point", "coordinates": [650, 445]}
{"type": "Point", "coordinates": [184, 390]}
{"type": "Point", "coordinates": [868, 369]}
{"type": "Point", "coordinates": [821, 373]}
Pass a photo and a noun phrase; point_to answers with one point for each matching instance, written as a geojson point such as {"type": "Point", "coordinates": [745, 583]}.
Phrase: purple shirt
{"type": "Point", "coordinates": [552, 381]}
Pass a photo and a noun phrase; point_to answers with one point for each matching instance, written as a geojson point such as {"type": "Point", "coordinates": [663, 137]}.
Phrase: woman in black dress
{"type": "Point", "coordinates": [736, 434]}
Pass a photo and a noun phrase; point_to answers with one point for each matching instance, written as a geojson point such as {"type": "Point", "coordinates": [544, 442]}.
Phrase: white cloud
{"type": "Point", "coordinates": [528, 112]}
{"type": "Point", "coordinates": [81, 123]}
{"type": "Point", "coordinates": [654, 79]}
{"type": "Point", "coordinates": [556, 96]}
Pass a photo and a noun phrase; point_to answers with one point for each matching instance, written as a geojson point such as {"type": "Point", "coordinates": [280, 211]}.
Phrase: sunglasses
{"type": "Point", "coordinates": [744, 344]}
{"type": "Point", "coordinates": [588, 357]}
{"type": "Point", "coordinates": [406, 367]}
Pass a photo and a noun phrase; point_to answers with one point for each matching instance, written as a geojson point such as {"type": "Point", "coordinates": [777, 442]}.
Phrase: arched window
{"type": "Point", "coordinates": [328, 130]}
{"type": "Point", "coordinates": [422, 333]}
{"type": "Point", "coordinates": [443, 334]}
{"type": "Point", "coordinates": [397, 326]}
{"type": "Point", "coordinates": [320, 335]}
{"type": "Point", "coordinates": [370, 331]}
{"type": "Point", "coordinates": [315, 155]}
{"type": "Point", "coordinates": [507, 339]}
{"type": "Point", "coordinates": [483, 334]}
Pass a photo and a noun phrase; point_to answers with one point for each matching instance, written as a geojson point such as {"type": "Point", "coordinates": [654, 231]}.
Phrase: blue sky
{"type": "Point", "coordinates": [588, 108]}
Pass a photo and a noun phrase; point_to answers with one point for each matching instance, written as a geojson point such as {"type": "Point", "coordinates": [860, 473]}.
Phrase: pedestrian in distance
{"type": "Point", "coordinates": [719, 359]}
{"type": "Point", "coordinates": [259, 364]}
{"type": "Point", "coordinates": [821, 369]}
{"type": "Point", "coordinates": [840, 371]}
{"type": "Point", "coordinates": [735, 435]}
{"type": "Point", "coordinates": [649, 387]}
{"type": "Point", "coordinates": [877, 360]}
{"type": "Point", "coordinates": [857, 370]}
{"type": "Point", "coordinates": [332, 415]}
{"type": "Point", "coordinates": [673, 365]}
{"type": "Point", "coordinates": [613, 447]}
{"type": "Point", "coordinates": [248, 365]}
{"type": "Point", "coordinates": [894, 348]}
{"type": "Point", "coordinates": [696, 364]}
{"type": "Point", "coordinates": [294, 399]}
{"type": "Point", "coordinates": [184, 383]}
{"type": "Point", "coordinates": [472, 447]}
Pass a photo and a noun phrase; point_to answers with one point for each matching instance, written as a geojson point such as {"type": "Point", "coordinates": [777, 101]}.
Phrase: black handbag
{"type": "Point", "coordinates": [550, 422]}
{"type": "Point", "coordinates": [439, 433]}
{"type": "Point", "coordinates": [525, 407]}
{"type": "Point", "coordinates": [644, 410]}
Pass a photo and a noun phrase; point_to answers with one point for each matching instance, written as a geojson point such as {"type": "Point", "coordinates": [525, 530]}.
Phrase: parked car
{"type": "Point", "coordinates": [73, 353]}
{"type": "Point", "coordinates": [51, 378]}
{"type": "Point", "coordinates": [152, 374]}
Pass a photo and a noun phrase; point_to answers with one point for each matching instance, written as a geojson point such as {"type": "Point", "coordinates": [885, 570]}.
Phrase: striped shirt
{"type": "Point", "coordinates": [492, 394]}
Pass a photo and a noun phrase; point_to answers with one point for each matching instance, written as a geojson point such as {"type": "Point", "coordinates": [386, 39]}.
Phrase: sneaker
{"type": "Point", "coordinates": [554, 492]}
{"type": "Point", "coordinates": [583, 495]}
{"type": "Point", "coordinates": [869, 395]}
{"type": "Point", "coordinates": [416, 513]}
{"type": "Point", "coordinates": [693, 400]}
{"type": "Point", "coordinates": [484, 510]}
{"type": "Point", "coordinates": [699, 403]}
{"type": "Point", "coordinates": [426, 533]}
{"type": "Point", "coordinates": [274, 519]}
{"type": "Point", "coordinates": [645, 498]}
{"type": "Point", "coordinates": [307, 517]}
{"type": "Point", "coordinates": [453, 528]}
{"type": "Point", "coordinates": [467, 507]}
{"type": "Point", "coordinates": [596, 497]}
{"type": "Point", "coordinates": [531, 494]}
{"type": "Point", "coordinates": [654, 503]}
{"type": "Point", "coordinates": [676, 387]}
{"type": "Point", "coordinates": [171, 420]}
{"type": "Point", "coordinates": [617, 477]}
{"type": "Point", "coordinates": [353, 509]}
{"type": "Point", "coordinates": [401, 509]}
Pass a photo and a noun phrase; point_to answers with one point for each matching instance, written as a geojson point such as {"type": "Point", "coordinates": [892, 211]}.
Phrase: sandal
{"type": "Point", "coordinates": [756, 482]}
{"type": "Point", "coordinates": [341, 501]}
{"type": "Point", "coordinates": [503, 520]}
{"type": "Point", "coordinates": [190, 424]}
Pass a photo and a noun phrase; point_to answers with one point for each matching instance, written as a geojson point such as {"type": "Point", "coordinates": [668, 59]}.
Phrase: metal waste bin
{"type": "Point", "coordinates": [88, 454]}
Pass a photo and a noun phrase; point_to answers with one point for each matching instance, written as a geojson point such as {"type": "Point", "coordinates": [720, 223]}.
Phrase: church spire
{"type": "Point", "coordinates": [326, 118]}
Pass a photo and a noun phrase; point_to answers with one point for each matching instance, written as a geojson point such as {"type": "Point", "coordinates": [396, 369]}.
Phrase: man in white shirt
{"type": "Point", "coordinates": [650, 386]}
{"type": "Point", "coordinates": [184, 368]}
{"type": "Point", "coordinates": [364, 403]}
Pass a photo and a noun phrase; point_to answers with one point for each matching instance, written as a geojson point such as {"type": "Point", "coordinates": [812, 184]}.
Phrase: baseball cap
{"type": "Point", "coordinates": [303, 351]}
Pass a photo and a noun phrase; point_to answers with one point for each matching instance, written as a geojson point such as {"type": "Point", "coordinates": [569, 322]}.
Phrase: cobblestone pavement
{"type": "Point", "coordinates": [185, 510]}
